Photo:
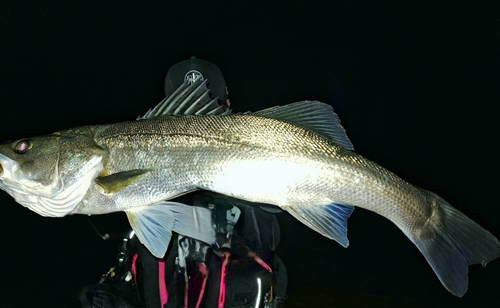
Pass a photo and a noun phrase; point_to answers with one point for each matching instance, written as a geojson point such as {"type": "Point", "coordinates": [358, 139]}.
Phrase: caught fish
{"type": "Point", "coordinates": [296, 157]}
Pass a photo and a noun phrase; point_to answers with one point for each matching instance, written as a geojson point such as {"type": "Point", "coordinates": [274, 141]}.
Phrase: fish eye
{"type": "Point", "coordinates": [23, 146]}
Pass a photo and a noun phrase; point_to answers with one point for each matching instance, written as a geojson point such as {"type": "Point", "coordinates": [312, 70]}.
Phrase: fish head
{"type": "Point", "coordinates": [50, 174]}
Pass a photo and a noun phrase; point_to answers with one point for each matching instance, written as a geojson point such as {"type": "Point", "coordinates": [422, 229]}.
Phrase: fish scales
{"type": "Point", "coordinates": [218, 143]}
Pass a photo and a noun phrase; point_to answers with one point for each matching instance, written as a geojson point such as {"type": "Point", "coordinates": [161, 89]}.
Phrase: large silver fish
{"type": "Point", "coordinates": [297, 157]}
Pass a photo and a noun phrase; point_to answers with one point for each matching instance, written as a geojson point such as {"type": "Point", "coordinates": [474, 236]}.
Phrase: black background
{"type": "Point", "coordinates": [416, 86]}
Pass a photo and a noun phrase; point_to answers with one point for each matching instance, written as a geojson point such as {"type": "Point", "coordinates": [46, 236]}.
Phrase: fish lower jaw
{"type": "Point", "coordinates": [57, 206]}
{"type": "Point", "coordinates": [59, 203]}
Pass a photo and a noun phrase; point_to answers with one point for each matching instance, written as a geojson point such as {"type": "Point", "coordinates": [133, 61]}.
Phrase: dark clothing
{"type": "Point", "coordinates": [241, 267]}
{"type": "Point", "coordinates": [239, 270]}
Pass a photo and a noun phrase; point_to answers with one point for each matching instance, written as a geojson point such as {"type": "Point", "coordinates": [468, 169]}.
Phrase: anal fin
{"type": "Point", "coordinates": [329, 220]}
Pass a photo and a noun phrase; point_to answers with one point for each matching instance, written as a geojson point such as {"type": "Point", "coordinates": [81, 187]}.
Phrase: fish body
{"type": "Point", "coordinates": [249, 157]}
{"type": "Point", "coordinates": [296, 157]}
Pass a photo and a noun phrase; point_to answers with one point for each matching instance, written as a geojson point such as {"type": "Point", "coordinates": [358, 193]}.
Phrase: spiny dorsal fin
{"type": "Point", "coordinates": [312, 115]}
{"type": "Point", "coordinates": [188, 99]}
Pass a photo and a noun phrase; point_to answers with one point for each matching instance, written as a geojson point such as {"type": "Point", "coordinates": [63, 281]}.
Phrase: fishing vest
{"type": "Point", "coordinates": [240, 270]}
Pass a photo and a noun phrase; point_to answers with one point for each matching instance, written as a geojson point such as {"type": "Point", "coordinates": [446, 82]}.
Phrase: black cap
{"type": "Point", "coordinates": [195, 69]}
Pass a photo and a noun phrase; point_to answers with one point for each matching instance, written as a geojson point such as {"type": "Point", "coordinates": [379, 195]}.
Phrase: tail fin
{"type": "Point", "coordinates": [455, 243]}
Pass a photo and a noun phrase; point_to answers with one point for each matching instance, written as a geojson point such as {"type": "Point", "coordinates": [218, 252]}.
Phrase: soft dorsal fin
{"type": "Point", "coordinates": [188, 99]}
{"type": "Point", "coordinates": [312, 115]}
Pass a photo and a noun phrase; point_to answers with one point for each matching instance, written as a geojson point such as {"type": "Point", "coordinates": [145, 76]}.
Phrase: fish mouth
{"type": "Point", "coordinates": [6, 167]}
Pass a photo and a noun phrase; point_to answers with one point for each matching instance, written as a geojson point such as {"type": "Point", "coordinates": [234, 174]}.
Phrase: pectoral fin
{"type": "Point", "coordinates": [329, 220]}
{"type": "Point", "coordinates": [118, 181]}
{"type": "Point", "coordinates": [154, 224]}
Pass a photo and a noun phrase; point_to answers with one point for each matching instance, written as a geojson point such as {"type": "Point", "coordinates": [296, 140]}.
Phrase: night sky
{"type": "Point", "coordinates": [415, 85]}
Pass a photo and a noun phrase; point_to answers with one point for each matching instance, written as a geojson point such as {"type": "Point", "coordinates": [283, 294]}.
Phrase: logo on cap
{"type": "Point", "coordinates": [192, 76]}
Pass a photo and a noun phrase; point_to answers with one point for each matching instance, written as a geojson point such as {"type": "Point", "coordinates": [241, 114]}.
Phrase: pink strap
{"type": "Point", "coordinates": [186, 288]}
{"type": "Point", "coordinates": [133, 267]}
{"type": "Point", "coordinates": [222, 286]}
{"type": "Point", "coordinates": [163, 286]}
{"type": "Point", "coordinates": [257, 259]}
{"type": "Point", "coordinates": [202, 268]}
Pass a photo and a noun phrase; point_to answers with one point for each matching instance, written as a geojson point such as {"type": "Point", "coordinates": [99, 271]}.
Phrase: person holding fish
{"type": "Point", "coordinates": [241, 269]}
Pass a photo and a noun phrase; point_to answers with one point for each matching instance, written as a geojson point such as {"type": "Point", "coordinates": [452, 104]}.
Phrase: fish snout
{"type": "Point", "coordinates": [7, 166]}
